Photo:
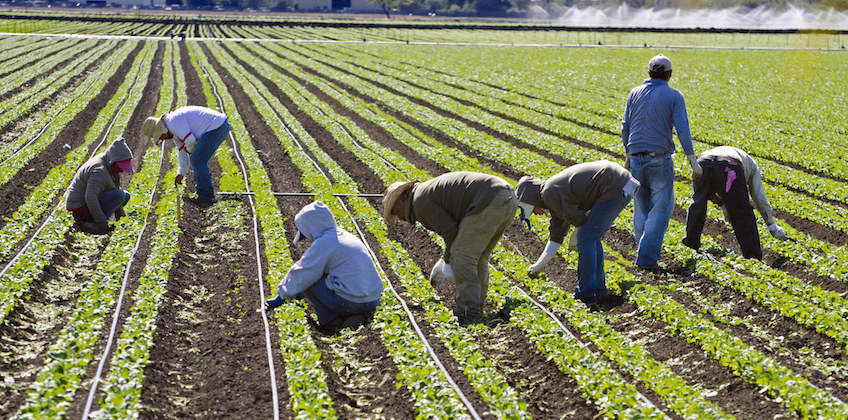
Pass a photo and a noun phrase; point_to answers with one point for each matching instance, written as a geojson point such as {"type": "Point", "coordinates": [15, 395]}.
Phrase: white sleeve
{"type": "Point", "coordinates": [182, 157]}
{"type": "Point", "coordinates": [190, 143]}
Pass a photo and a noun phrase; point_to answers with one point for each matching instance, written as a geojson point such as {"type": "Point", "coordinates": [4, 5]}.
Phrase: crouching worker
{"type": "Point", "coordinates": [730, 175]}
{"type": "Point", "coordinates": [470, 211]}
{"type": "Point", "coordinates": [336, 273]}
{"type": "Point", "coordinates": [95, 193]}
{"type": "Point", "coordinates": [588, 196]}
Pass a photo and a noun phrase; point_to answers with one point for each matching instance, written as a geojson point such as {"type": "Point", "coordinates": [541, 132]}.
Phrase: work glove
{"type": "Point", "coordinates": [572, 241]}
{"type": "Point", "coordinates": [776, 231]}
{"type": "Point", "coordinates": [440, 273]}
{"type": "Point", "coordinates": [627, 162]}
{"type": "Point", "coordinates": [697, 171]}
{"type": "Point", "coordinates": [549, 252]}
{"type": "Point", "coordinates": [271, 304]}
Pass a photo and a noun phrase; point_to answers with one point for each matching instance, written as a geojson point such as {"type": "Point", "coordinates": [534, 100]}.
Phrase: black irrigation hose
{"type": "Point", "coordinates": [259, 276]}
{"type": "Point", "coordinates": [409, 314]}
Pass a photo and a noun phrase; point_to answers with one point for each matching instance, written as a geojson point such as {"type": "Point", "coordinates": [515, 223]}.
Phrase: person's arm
{"type": "Point", "coordinates": [92, 200]}
{"type": "Point", "coordinates": [182, 157]}
{"type": "Point", "coordinates": [305, 272]}
{"type": "Point", "coordinates": [680, 120]}
{"type": "Point", "coordinates": [625, 125]}
{"type": "Point", "coordinates": [761, 203]}
{"type": "Point", "coordinates": [441, 222]}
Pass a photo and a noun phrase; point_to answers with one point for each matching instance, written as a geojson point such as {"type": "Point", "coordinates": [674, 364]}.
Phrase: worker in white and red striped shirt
{"type": "Point", "coordinates": [197, 132]}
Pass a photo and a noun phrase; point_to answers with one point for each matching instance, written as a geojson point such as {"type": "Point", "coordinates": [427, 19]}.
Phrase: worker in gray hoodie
{"type": "Point", "coordinates": [588, 196]}
{"type": "Point", "coordinates": [335, 273]}
{"type": "Point", "coordinates": [470, 211]}
{"type": "Point", "coordinates": [95, 193]}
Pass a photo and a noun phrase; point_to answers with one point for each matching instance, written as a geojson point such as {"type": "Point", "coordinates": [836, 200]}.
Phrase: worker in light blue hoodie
{"type": "Point", "coordinates": [336, 273]}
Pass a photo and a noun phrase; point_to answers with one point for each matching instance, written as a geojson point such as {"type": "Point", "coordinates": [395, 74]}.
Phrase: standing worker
{"type": "Point", "coordinates": [588, 196]}
{"type": "Point", "coordinates": [730, 175]}
{"type": "Point", "coordinates": [652, 110]}
{"type": "Point", "coordinates": [470, 211]}
{"type": "Point", "coordinates": [95, 193]}
{"type": "Point", "coordinates": [335, 273]}
{"type": "Point", "coordinates": [197, 132]}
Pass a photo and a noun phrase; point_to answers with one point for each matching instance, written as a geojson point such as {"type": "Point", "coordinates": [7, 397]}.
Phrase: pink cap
{"type": "Point", "coordinates": [126, 165]}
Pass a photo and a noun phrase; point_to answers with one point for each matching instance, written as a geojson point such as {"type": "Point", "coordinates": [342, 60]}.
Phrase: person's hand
{"type": "Point", "coordinates": [697, 171]}
{"type": "Point", "coordinates": [437, 274]}
{"type": "Point", "coordinates": [777, 232]}
{"type": "Point", "coordinates": [549, 252]}
{"type": "Point", "coordinates": [178, 180]}
{"type": "Point", "coordinates": [572, 241]}
{"type": "Point", "coordinates": [271, 304]}
{"type": "Point", "coordinates": [627, 162]}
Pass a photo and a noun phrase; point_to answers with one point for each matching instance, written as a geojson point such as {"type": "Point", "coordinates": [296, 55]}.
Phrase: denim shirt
{"type": "Point", "coordinates": [652, 110]}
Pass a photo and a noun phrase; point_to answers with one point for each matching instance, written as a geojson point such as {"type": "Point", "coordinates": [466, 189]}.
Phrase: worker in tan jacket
{"type": "Point", "coordinates": [588, 196]}
{"type": "Point", "coordinates": [730, 176]}
{"type": "Point", "coordinates": [95, 193]}
{"type": "Point", "coordinates": [470, 211]}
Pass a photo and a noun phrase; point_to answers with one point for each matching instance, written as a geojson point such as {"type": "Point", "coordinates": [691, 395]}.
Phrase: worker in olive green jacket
{"type": "Point", "coordinates": [588, 196]}
{"type": "Point", "coordinates": [470, 211]}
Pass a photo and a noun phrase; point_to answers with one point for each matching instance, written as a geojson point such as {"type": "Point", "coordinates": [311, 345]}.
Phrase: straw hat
{"type": "Point", "coordinates": [154, 128]}
{"type": "Point", "coordinates": [393, 192]}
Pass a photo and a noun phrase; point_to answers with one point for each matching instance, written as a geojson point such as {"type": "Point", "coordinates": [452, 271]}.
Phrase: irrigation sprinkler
{"type": "Point", "coordinates": [300, 194]}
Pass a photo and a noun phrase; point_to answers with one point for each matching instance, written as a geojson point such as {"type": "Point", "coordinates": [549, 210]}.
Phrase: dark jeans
{"type": "Point", "coordinates": [329, 306]}
{"type": "Point", "coordinates": [735, 200]}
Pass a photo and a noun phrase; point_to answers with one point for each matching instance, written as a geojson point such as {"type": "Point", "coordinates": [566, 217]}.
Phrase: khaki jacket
{"type": "Point", "coordinates": [441, 203]}
{"type": "Point", "coordinates": [570, 194]}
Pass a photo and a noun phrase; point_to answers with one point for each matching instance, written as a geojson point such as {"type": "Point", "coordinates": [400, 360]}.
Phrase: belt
{"type": "Point", "coordinates": [651, 154]}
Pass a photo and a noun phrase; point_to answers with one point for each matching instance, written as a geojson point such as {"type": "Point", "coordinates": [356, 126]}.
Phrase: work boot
{"type": "Point", "coordinates": [354, 321]}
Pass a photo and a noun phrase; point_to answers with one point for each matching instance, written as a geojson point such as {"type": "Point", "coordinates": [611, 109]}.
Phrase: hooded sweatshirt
{"type": "Point", "coordinates": [753, 177]}
{"type": "Point", "coordinates": [96, 177]}
{"type": "Point", "coordinates": [335, 255]}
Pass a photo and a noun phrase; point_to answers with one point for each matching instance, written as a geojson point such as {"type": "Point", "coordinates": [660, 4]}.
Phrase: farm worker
{"type": "Point", "coordinates": [95, 193]}
{"type": "Point", "coordinates": [335, 273]}
{"type": "Point", "coordinates": [730, 175]}
{"type": "Point", "coordinates": [470, 211]}
{"type": "Point", "coordinates": [197, 132]}
{"type": "Point", "coordinates": [588, 196]}
{"type": "Point", "coordinates": [652, 110]}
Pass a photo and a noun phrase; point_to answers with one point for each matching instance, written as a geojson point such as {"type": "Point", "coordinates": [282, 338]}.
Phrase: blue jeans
{"type": "Point", "coordinates": [207, 144]}
{"type": "Point", "coordinates": [653, 205]}
{"type": "Point", "coordinates": [591, 279]}
{"type": "Point", "coordinates": [113, 201]}
{"type": "Point", "coordinates": [329, 306]}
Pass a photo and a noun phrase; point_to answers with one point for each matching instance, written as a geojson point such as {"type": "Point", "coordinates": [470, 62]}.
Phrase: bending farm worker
{"type": "Point", "coordinates": [335, 273]}
{"type": "Point", "coordinates": [730, 175]}
{"type": "Point", "coordinates": [197, 132]}
{"type": "Point", "coordinates": [95, 193]}
{"type": "Point", "coordinates": [470, 211]}
{"type": "Point", "coordinates": [653, 109]}
{"type": "Point", "coordinates": [588, 196]}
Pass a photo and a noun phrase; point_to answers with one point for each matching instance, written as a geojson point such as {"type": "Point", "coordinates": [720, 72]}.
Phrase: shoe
{"type": "Point", "coordinates": [610, 301]}
{"type": "Point", "coordinates": [654, 268]}
{"type": "Point", "coordinates": [354, 321]}
{"type": "Point", "coordinates": [331, 328]}
{"type": "Point", "coordinates": [202, 202]}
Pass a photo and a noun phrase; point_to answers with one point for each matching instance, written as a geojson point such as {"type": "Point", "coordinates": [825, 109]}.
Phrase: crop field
{"type": "Point", "coordinates": [161, 318]}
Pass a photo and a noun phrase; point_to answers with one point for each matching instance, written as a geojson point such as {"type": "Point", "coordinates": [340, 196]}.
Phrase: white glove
{"type": "Point", "coordinates": [550, 250]}
{"type": "Point", "coordinates": [776, 231]}
{"type": "Point", "coordinates": [572, 241]}
{"type": "Point", "coordinates": [190, 143]}
{"type": "Point", "coordinates": [697, 171]}
{"type": "Point", "coordinates": [437, 274]}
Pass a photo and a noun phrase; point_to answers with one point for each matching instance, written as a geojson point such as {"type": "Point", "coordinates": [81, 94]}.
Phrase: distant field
{"type": "Point", "coordinates": [161, 319]}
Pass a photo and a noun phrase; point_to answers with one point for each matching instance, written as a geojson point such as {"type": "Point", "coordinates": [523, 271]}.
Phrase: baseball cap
{"type": "Point", "coordinates": [659, 63]}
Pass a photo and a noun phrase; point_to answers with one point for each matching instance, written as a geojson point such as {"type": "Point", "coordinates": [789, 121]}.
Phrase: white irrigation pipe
{"type": "Point", "coordinates": [259, 277]}
{"type": "Point", "coordinates": [299, 194]}
{"type": "Point", "coordinates": [53, 118]}
{"type": "Point", "coordinates": [409, 314]}
{"type": "Point", "coordinates": [411, 317]}
{"type": "Point", "coordinates": [55, 209]}
{"type": "Point", "coordinates": [113, 330]}
{"type": "Point", "coordinates": [573, 337]}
